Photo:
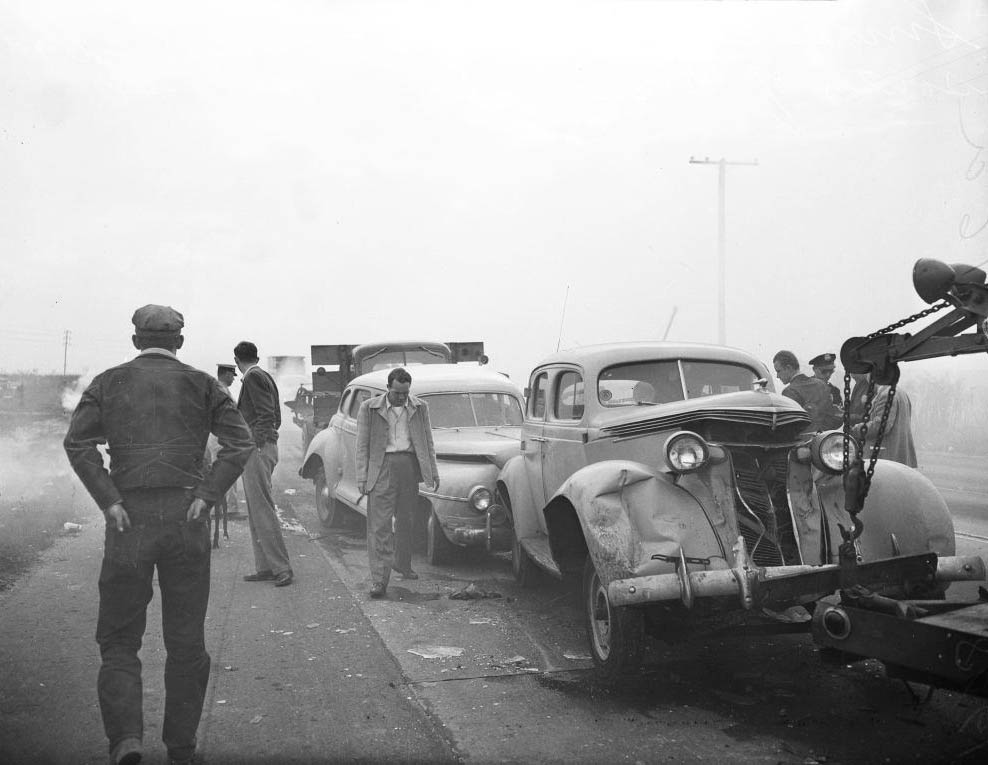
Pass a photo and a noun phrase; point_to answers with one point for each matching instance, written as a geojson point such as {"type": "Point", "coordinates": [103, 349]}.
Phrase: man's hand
{"type": "Point", "coordinates": [196, 509]}
{"type": "Point", "coordinates": [116, 516]}
{"type": "Point", "coordinates": [436, 485]}
{"type": "Point", "coordinates": [362, 488]}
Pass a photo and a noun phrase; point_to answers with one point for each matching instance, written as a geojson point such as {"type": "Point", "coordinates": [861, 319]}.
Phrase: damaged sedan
{"type": "Point", "coordinates": [684, 490]}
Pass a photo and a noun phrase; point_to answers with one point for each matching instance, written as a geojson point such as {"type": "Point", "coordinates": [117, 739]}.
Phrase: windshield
{"type": "Point", "coordinates": [471, 410]}
{"type": "Point", "coordinates": [661, 382]}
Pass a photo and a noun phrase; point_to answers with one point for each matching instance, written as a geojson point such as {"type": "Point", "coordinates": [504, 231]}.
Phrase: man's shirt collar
{"type": "Point", "coordinates": [158, 351]}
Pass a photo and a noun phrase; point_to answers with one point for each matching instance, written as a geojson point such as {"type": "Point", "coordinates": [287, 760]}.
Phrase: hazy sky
{"type": "Point", "coordinates": [323, 172]}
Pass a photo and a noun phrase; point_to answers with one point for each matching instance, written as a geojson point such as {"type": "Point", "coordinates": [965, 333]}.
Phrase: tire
{"type": "Point", "coordinates": [523, 568]}
{"type": "Point", "coordinates": [327, 507]}
{"type": "Point", "coordinates": [438, 549]}
{"type": "Point", "coordinates": [616, 634]}
{"type": "Point", "coordinates": [525, 571]}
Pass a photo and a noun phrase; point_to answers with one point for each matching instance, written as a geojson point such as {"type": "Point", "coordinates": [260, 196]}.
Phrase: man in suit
{"type": "Point", "coordinates": [394, 454]}
{"type": "Point", "coordinates": [810, 393]}
{"type": "Point", "coordinates": [260, 405]}
{"type": "Point", "coordinates": [155, 415]}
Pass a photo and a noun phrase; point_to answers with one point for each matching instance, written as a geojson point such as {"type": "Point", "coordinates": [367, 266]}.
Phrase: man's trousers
{"type": "Point", "coordinates": [270, 553]}
{"type": "Point", "coordinates": [395, 495]}
{"type": "Point", "coordinates": [161, 538]}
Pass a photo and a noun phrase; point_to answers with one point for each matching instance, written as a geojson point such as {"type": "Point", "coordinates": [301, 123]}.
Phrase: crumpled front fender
{"type": "Point", "coordinates": [636, 521]}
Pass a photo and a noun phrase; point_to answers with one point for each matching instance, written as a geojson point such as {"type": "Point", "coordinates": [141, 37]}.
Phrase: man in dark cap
{"type": "Point", "coordinates": [823, 369]}
{"type": "Point", "coordinates": [155, 415]}
{"type": "Point", "coordinates": [809, 392]}
{"type": "Point", "coordinates": [260, 405]}
{"type": "Point", "coordinates": [226, 374]}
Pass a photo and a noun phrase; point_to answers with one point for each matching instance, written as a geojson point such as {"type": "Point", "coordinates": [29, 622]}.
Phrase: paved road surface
{"type": "Point", "coordinates": [317, 672]}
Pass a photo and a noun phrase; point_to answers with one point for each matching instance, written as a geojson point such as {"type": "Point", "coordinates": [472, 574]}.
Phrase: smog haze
{"type": "Point", "coordinates": [517, 173]}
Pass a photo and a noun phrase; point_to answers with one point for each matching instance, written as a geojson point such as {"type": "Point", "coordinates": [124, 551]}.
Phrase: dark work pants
{"type": "Point", "coordinates": [159, 537]}
{"type": "Point", "coordinates": [395, 494]}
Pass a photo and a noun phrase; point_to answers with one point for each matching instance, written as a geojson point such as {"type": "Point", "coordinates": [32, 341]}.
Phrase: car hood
{"type": "Point", "coordinates": [749, 407]}
{"type": "Point", "coordinates": [495, 445]}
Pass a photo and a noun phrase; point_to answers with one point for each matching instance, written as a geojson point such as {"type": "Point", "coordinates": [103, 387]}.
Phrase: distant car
{"type": "Point", "coordinates": [476, 415]}
{"type": "Point", "coordinates": [679, 486]}
{"type": "Point", "coordinates": [336, 365]}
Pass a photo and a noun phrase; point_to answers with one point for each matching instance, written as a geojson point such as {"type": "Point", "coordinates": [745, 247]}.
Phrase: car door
{"type": "Point", "coordinates": [532, 438]}
{"type": "Point", "coordinates": [563, 445]}
{"type": "Point", "coordinates": [347, 488]}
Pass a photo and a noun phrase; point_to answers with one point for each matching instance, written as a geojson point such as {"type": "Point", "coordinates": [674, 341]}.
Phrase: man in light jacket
{"type": "Point", "coordinates": [897, 443]}
{"type": "Point", "coordinates": [395, 453]}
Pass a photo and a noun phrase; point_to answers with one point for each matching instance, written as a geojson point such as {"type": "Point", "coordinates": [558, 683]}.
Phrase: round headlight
{"type": "Point", "coordinates": [827, 451]}
{"type": "Point", "coordinates": [481, 499]}
{"type": "Point", "coordinates": [686, 452]}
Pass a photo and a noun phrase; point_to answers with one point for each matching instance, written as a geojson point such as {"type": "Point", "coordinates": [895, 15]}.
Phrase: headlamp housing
{"type": "Point", "coordinates": [686, 452]}
{"type": "Point", "coordinates": [480, 498]}
{"type": "Point", "coordinates": [827, 451]}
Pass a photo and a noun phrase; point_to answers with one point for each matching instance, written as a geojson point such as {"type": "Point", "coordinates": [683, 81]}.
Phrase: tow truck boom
{"type": "Point", "coordinates": [939, 643]}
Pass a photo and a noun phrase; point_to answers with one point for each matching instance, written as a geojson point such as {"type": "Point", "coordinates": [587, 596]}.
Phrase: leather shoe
{"type": "Point", "coordinates": [408, 574]}
{"type": "Point", "coordinates": [127, 752]}
{"type": "Point", "coordinates": [377, 589]}
{"type": "Point", "coordinates": [260, 576]}
{"type": "Point", "coordinates": [283, 579]}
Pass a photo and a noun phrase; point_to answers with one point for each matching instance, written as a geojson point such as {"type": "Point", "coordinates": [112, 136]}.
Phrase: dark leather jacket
{"type": "Point", "coordinates": [155, 415]}
{"type": "Point", "coordinates": [813, 395]}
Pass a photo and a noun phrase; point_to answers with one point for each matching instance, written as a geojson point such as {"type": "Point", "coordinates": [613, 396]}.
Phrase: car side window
{"type": "Point", "coordinates": [345, 403]}
{"type": "Point", "coordinates": [536, 405]}
{"type": "Point", "coordinates": [359, 396]}
{"type": "Point", "coordinates": [568, 403]}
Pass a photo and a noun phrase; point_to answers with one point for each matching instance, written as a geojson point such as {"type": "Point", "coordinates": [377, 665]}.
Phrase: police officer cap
{"type": "Point", "coordinates": [824, 359]}
{"type": "Point", "coordinates": [158, 319]}
{"type": "Point", "coordinates": [221, 368]}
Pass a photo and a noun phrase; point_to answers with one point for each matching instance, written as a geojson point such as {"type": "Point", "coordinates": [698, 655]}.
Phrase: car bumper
{"type": "Point", "coordinates": [489, 530]}
{"type": "Point", "coordinates": [757, 586]}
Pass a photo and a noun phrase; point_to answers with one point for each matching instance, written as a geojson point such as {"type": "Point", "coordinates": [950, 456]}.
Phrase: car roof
{"type": "Point", "coordinates": [402, 344]}
{"type": "Point", "coordinates": [433, 378]}
{"type": "Point", "coordinates": [604, 355]}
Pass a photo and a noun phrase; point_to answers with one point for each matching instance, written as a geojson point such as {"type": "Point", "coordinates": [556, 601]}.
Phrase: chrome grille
{"type": "Point", "coordinates": [760, 418]}
{"type": "Point", "coordinates": [762, 508]}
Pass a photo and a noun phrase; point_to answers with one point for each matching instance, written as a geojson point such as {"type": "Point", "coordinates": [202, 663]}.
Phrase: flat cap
{"type": "Point", "coordinates": [232, 368]}
{"type": "Point", "coordinates": [823, 360]}
{"type": "Point", "coordinates": [161, 319]}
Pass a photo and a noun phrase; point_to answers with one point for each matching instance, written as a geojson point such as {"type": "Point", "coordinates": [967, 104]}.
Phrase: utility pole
{"type": "Point", "coordinates": [721, 257]}
{"type": "Point", "coordinates": [65, 355]}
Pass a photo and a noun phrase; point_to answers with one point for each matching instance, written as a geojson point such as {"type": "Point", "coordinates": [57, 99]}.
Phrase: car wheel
{"type": "Point", "coordinates": [522, 566]}
{"type": "Point", "coordinates": [616, 633]}
{"type": "Point", "coordinates": [438, 549]}
{"type": "Point", "coordinates": [326, 506]}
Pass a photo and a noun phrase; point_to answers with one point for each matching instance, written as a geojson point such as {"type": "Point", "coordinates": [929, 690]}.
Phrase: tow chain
{"type": "Point", "coordinates": [857, 478]}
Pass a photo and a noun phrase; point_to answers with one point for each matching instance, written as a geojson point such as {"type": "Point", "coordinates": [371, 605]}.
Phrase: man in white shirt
{"type": "Point", "coordinates": [394, 453]}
